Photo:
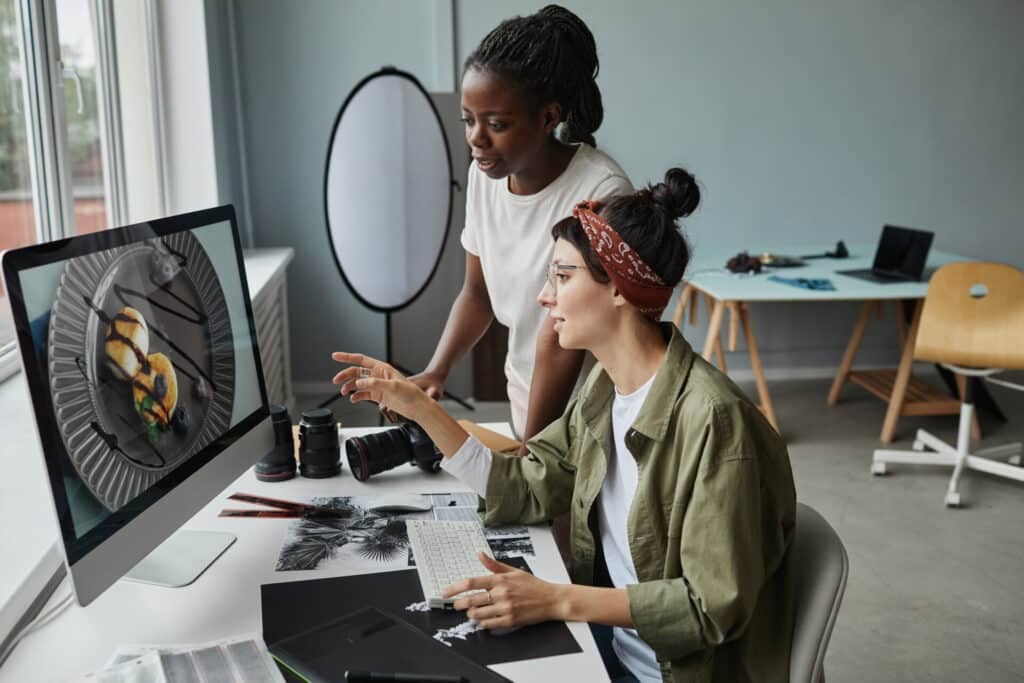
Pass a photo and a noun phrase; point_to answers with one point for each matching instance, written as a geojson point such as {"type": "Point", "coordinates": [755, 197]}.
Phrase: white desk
{"type": "Point", "coordinates": [224, 601]}
{"type": "Point", "coordinates": [725, 291]}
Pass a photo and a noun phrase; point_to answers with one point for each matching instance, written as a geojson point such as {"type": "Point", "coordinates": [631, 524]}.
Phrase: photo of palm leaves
{"type": "Point", "coordinates": [370, 539]}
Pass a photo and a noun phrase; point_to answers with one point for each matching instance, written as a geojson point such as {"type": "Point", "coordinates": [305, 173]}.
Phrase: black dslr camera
{"type": "Point", "coordinates": [376, 453]}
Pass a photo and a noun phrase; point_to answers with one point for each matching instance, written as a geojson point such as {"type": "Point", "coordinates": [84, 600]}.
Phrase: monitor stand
{"type": "Point", "coordinates": [182, 558]}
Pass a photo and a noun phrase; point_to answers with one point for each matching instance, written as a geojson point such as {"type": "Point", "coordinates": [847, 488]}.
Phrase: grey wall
{"type": "Point", "coordinates": [809, 121]}
{"type": "Point", "coordinates": [297, 62]}
{"type": "Point", "coordinates": [805, 121]}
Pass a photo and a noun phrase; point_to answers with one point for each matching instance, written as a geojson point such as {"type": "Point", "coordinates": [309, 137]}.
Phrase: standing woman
{"type": "Point", "coordinates": [528, 76]}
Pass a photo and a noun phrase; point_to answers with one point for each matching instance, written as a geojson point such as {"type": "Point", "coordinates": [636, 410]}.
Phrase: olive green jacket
{"type": "Point", "coordinates": [708, 529]}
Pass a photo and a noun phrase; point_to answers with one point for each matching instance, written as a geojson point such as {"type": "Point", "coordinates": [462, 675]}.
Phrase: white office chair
{"type": "Point", "coordinates": [973, 325]}
{"type": "Point", "coordinates": [820, 566]}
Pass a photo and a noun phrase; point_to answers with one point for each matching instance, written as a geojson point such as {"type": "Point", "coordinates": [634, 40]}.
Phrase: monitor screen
{"type": "Point", "coordinates": [140, 352]}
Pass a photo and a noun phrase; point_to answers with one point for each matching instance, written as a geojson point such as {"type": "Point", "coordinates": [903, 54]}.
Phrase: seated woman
{"type": "Point", "coordinates": [680, 492]}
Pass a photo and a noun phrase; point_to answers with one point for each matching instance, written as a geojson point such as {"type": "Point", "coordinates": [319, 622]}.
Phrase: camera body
{"type": "Point", "coordinates": [376, 453]}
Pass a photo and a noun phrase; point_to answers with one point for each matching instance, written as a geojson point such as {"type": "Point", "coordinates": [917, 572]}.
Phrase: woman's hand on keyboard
{"type": "Point", "coordinates": [513, 597]}
{"type": "Point", "coordinates": [368, 379]}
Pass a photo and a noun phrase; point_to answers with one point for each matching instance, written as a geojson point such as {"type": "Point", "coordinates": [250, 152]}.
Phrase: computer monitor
{"type": "Point", "coordinates": [139, 349]}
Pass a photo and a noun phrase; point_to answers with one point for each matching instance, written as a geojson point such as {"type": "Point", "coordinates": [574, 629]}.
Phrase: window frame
{"type": "Point", "coordinates": [48, 154]}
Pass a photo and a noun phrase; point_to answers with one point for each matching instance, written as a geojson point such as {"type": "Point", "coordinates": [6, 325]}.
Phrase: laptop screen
{"type": "Point", "coordinates": [902, 251]}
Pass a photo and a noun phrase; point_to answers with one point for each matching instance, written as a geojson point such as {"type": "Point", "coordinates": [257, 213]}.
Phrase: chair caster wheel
{"type": "Point", "coordinates": [953, 499]}
{"type": "Point", "coordinates": [1015, 460]}
{"type": "Point", "coordinates": [917, 445]}
{"type": "Point", "coordinates": [878, 469]}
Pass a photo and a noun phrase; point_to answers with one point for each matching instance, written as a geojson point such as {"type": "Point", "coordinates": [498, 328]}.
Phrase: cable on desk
{"type": "Point", "coordinates": [38, 621]}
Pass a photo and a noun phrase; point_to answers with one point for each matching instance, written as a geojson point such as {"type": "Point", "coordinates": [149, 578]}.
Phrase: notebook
{"type": "Point", "coordinates": [900, 257]}
{"type": "Point", "coordinates": [371, 640]}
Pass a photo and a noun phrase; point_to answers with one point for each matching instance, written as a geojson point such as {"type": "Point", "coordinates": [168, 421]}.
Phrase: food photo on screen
{"type": "Point", "coordinates": [140, 360]}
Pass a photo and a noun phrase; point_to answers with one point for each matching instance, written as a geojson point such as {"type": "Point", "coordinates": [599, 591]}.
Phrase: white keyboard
{"type": "Point", "coordinates": [446, 552]}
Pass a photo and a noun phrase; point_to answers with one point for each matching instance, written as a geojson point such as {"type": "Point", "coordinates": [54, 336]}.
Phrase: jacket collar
{"type": "Point", "coordinates": [653, 419]}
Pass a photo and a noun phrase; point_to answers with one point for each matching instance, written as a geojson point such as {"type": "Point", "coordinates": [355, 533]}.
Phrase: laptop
{"type": "Point", "coordinates": [901, 255]}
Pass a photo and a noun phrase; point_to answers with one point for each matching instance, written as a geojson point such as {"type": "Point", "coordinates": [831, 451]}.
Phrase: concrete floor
{"type": "Point", "coordinates": [934, 594]}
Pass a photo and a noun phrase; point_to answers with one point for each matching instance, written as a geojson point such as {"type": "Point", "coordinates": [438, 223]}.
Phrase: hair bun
{"type": "Point", "coordinates": [678, 195]}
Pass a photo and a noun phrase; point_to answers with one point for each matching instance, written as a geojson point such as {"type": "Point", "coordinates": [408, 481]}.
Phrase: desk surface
{"type": "Point", "coordinates": [224, 601]}
{"type": "Point", "coordinates": [707, 273]}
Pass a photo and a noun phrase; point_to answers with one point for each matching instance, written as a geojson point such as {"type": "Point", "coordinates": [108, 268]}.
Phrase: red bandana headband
{"type": "Point", "coordinates": [640, 285]}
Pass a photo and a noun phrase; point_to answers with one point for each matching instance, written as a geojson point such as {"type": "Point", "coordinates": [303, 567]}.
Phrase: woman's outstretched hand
{"type": "Point", "coordinates": [512, 597]}
{"type": "Point", "coordinates": [368, 379]}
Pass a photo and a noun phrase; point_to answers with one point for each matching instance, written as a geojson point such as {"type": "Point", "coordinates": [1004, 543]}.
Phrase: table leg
{"type": "Point", "coordinates": [899, 389]}
{"type": "Point", "coordinates": [901, 320]}
{"type": "Point", "coordinates": [684, 300]}
{"type": "Point", "coordinates": [851, 351]}
{"type": "Point", "coordinates": [734, 322]}
{"type": "Point", "coordinates": [711, 341]}
{"type": "Point", "coordinates": [713, 308]}
{"type": "Point", "coordinates": [755, 364]}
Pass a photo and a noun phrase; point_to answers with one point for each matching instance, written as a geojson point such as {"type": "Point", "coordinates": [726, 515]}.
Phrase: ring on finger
{"type": "Point", "coordinates": [364, 372]}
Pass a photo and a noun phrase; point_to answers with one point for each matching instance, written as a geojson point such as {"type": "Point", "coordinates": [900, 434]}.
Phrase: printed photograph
{"type": "Point", "coordinates": [372, 540]}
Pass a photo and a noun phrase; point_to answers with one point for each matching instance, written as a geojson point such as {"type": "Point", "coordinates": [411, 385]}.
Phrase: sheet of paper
{"type": "Point", "coordinates": [242, 659]}
{"type": "Point", "coordinates": [370, 540]}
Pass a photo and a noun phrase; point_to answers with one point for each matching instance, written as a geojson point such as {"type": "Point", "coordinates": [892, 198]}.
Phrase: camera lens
{"type": "Point", "coordinates": [376, 453]}
{"type": "Point", "coordinates": [279, 463]}
{"type": "Point", "coordinates": [319, 448]}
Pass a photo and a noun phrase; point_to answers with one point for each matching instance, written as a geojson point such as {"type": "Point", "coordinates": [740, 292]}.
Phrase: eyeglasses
{"type": "Point", "coordinates": [553, 270]}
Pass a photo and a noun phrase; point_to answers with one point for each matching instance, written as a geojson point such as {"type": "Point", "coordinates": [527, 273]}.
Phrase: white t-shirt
{"type": "Point", "coordinates": [511, 234]}
{"type": "Point", "coordinates": [617, 492]}
{"type": "Point", "coordinates": [472, 465]}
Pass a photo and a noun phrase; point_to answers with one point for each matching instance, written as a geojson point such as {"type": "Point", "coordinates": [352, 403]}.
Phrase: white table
{"type": "Point", "coordinates": [224, 601]}
{"type": "Point", "coordinates": [724, 291]}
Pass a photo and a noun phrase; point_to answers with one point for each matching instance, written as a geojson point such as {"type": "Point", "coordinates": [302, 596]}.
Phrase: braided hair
{"type": "Point", "coordinates": [553, 56]}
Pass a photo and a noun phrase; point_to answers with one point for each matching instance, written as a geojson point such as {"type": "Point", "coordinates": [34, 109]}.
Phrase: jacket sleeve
{"type": "Point", "coordinates": [536, 487]}
{"type": "Point", "coordinates": [734, 536]}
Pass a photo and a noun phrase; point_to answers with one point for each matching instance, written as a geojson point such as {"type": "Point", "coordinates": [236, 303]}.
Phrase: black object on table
{"type": "Point", "coordinates": [295, 606]}
{"type": "Point", "coordinates": [840, 252]}
{"type": "Point", "coordinates": [381, 677]}
{"type": "Point", "coordinates": [371, 638]}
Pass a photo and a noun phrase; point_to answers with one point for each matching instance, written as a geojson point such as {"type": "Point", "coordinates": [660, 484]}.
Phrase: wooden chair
{"type": "Point", "coordinates": [972, 324]}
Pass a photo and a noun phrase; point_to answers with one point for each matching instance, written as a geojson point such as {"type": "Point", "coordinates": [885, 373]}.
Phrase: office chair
{"type": "Point", "coordinates": [973, 325]}
{"type": "Point", "coordinates": [820, 566]}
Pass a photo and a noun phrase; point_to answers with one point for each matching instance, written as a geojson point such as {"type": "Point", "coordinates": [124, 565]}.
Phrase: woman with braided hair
{"type": "Point", "coordinates": [529, 77]}
{"type": "Point", "coordinates": [680, 492]}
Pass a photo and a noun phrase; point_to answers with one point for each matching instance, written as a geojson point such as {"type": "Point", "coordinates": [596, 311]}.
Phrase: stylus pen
{"type": "Point", "coordinates": [393, 677]}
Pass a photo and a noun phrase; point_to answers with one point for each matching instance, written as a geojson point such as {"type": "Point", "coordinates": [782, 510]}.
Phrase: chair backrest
{"type": "Point", "coordinates": [973, 316]}
{"type": "Point", "coordinates": [820, 565]}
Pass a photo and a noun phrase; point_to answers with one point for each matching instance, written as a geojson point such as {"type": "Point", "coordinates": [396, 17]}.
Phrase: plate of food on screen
{"type": "Point", "coordinates": [141, 363]}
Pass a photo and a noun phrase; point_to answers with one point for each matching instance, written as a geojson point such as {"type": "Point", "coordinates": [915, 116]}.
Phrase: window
{"type": "Point", "coordinates": [18, 225]}
{"type": "Point", "coordinates": [61, 141]}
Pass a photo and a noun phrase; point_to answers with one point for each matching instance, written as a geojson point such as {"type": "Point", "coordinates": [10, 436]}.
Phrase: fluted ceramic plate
{"type": "Point", "coordinates": [108, 443]}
